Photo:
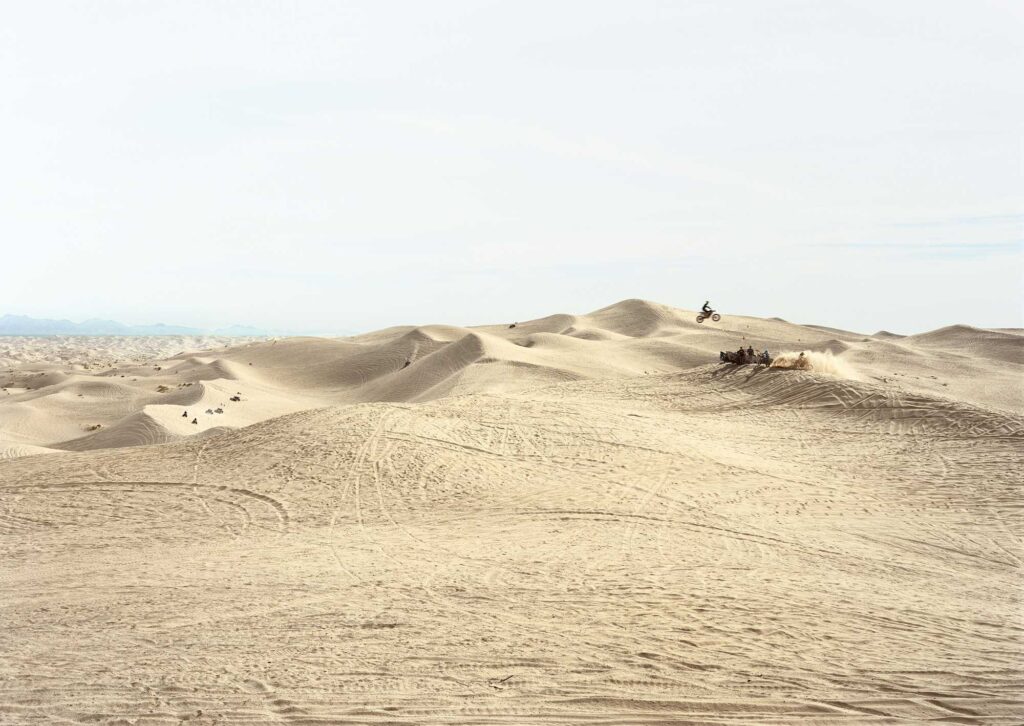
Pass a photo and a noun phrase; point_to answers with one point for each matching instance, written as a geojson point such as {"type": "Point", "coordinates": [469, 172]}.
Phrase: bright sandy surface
{"type": "Point", "coordinates": [581, 519]}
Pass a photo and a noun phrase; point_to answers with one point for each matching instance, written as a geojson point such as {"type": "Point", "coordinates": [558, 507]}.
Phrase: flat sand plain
{"type": "Point", "coordinates": [579, 519]}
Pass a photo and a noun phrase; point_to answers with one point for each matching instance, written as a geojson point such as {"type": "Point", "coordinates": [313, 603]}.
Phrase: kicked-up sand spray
{"type": "Point", "coordinates": [811, 360]}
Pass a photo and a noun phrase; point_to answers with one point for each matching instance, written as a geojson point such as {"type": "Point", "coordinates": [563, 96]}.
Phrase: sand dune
{"type": "Point", "coordinates": [579, 519]}
{"type": "Point", "coordinates": [965, 340]}
{"type": "Point", "coordinates": [419, 363]}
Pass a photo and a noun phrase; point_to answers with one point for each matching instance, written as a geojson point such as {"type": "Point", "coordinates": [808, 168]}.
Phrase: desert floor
{"type": "Point", "coordinates": [579, 519]}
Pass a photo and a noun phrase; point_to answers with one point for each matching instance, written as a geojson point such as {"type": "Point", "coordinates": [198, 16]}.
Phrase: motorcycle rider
{"type": "Point", "coordinates": [705, 309]}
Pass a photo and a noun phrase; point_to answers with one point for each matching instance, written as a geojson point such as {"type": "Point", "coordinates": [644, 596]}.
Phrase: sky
{"type": "Point", "coordinates": [345, 166]}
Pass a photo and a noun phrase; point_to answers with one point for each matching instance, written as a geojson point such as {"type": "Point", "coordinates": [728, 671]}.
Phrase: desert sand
{"type": "Point", "coordinates": [578, 519]}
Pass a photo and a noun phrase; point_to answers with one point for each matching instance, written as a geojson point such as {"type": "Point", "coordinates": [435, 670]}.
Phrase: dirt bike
{"type": "Point", "coordinates": [702, 316]}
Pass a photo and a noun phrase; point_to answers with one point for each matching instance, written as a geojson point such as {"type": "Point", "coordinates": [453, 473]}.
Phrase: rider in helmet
{"type": "Point", "coordinates": [705, 309]}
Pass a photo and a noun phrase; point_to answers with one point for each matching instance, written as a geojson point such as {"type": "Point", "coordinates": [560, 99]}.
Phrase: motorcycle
{"type": "Point", "coordinates": [702, 316]}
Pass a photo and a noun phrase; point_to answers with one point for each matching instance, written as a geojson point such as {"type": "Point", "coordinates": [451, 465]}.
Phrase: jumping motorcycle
{"type": "Point", "coordinates": [702, 316]}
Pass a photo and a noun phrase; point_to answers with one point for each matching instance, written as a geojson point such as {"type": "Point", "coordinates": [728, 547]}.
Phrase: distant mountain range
{"type": "Point", "coordinates": [24, 325]}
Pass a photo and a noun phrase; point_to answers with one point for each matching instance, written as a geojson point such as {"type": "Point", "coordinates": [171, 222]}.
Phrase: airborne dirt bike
{"type": "Point", "coordinates": [702, 316]}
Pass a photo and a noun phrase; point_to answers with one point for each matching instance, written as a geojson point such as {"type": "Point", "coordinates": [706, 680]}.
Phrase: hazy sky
{"type": "Point", "coordinates": [351, 165]}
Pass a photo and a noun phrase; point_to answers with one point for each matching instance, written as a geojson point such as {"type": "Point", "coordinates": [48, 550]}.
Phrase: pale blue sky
{"type": "Point", "coordinates": [351, 165]}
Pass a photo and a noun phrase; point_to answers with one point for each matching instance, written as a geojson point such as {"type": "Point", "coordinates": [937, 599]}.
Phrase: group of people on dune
{"type": "Point", "coordinates": [749, 355]}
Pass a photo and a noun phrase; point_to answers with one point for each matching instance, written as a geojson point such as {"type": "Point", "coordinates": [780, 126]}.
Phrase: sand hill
{"type": "Point", "coordinates": [77, 393]}
{"type": "Point", "coordinates": [581, 518]}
